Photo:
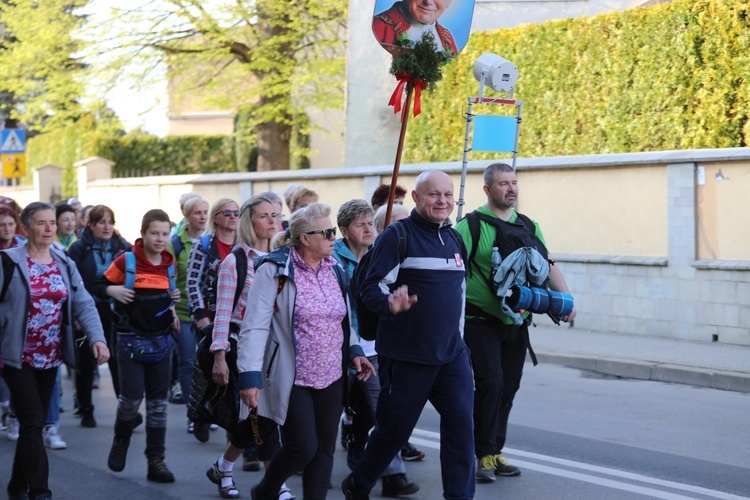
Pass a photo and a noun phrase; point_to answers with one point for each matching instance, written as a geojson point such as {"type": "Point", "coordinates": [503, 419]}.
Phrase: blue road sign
{"type": "Point", "coordinates": [12, 140]}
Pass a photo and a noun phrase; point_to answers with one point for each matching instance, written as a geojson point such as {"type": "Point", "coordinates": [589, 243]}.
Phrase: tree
{"type": "Point", "coordinates": [42, 80]}
{"type": "Point", "coordinates": [279, 56]}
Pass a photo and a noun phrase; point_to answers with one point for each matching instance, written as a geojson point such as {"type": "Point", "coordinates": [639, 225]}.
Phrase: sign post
{"type": "Point", "coordinates": [13, 152]}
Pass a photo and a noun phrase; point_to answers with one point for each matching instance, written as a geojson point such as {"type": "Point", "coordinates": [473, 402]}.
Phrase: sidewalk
{"type": "Point", "coordinates": [715, 365]}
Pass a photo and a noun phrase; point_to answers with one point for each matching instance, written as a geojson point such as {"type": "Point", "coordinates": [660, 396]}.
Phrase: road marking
{"type": "Point", "coordinates": [430, 439]}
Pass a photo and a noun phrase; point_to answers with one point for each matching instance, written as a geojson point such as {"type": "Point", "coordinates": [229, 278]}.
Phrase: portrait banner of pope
{"type": "Point", "coordinates": [449, 22]}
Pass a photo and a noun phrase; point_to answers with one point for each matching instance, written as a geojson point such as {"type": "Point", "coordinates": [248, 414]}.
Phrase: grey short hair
{"type": "Point", "coordinates": [31, 209]}
{"type": "Point", "coordinates": [491, 170]}
{"type": "Point", "coordinates": [351, 211]}
{"type": "Point", "coordinates": [302, 221]}
{"type": "Point", "coordinates": [379, 219]}
{"type": "Point", "coordinates": [272, 197]}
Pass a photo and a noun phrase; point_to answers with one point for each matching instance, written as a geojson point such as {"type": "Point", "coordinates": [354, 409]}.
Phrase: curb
{"type": "Point", "coordinates": [657, 372]}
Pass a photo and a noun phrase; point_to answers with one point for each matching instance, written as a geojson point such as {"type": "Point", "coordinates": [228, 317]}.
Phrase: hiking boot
{"type": "Point", "coordinates": [87, 417]}
{"type": "Point", "coordinates": [118, 454]}
{"type": "Point", "coordinates": [200, 431]}
{"type": "Point", "coordinates": [485, 469]}
{"type": "Point", "coordinates": [411, 454]}
{"type": "Point", "coordinates": [503, 468]}
{"type": "Point", "coordinates": [250, 462]}
{"type": "Point", "coordinates": [350, 491]}
{"type": "Point", "coordinates": [396, 485]}
{"type": "Point", "coordinates": [52, 439]}
{"type": "Point", "coordinates": [158, 472]}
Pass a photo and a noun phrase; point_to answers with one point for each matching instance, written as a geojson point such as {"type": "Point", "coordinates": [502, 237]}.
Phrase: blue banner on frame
{"type": "Point", "coordinates": [494, 133]}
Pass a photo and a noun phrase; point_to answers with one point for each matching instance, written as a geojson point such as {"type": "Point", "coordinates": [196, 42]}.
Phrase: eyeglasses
{"type": "Point", "coordinates": [227, 213]}
{"type": "Point", "coordinates": [325, 232]}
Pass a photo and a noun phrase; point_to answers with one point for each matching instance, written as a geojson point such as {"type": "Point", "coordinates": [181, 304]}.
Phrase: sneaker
{"type": "Point", "coordinates": [118, 454]}
{"type": "Point", "coordinates": [411, 454]}
{"type": "Point", "coordinates": [396, 485]}
{"type": "Point", "coordinates": [158, 472]}
{"type": "Point", "coordinates": [485, 469]}
{"type": "Point", "coordinates": [213, 427]}
{"type": "Point", "coordinates": [175, 394]}
{"type": "Point", "coordinates": [87, 417]}
{"type": "Point", "coordinates": [286, 494]}
{"type": "Point", "coordinates": [190, 427]}
{"type": "Point", "coordinates": [351, 492]}
{"type": "Point", "coordinates": [13, 428]}
{"type": "Point", "coordinates": [346, 431]}
{"type": "Point", "coordinates": [52, 439]}
{"type": "Point", "coordinates": [250, 462]}
{"type": "Point", "coordinates": [503, 468]}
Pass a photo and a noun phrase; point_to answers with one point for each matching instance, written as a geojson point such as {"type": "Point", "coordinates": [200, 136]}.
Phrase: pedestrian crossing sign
{"type": "Point", "coordinates": [14, 165]}
{"type": "Point", "coordinates": [12, 140]}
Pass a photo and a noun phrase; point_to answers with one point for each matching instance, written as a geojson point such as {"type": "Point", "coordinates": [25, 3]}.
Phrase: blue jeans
{"type": "Point", "coordinates": [53, 413]}
{"type": "Point", "coordinates": [185, 349]}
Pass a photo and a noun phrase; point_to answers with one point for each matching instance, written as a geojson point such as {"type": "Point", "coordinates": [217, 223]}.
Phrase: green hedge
{"type": "Point", "coordinates": [669, 76]}
{"type": "Point", "coordinates": [136, 156]}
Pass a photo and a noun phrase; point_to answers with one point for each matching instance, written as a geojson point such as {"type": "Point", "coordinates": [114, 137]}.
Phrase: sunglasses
{"type": "Point", "coordinates": [227, 213]}
{"type": "Point", "coordinates": [325, 232]}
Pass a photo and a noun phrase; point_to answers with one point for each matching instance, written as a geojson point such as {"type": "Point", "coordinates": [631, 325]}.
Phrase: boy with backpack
{"type": "Point", "coordinates": [142, 282]}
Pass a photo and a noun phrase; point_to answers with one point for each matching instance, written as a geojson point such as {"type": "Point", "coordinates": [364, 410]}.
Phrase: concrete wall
{"type": "Point", "coordinates": [371, 127]}
{"type": "Point", "coordinates": [625, 229]}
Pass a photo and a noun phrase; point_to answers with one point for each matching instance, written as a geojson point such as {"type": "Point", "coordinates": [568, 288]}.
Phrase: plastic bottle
{"type": "Point", "coordinates": [496, 259]}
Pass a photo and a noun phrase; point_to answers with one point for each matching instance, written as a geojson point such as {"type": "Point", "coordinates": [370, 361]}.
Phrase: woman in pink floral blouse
{"type": "Point", "coordinates": [295, 347]}
{"type": "Point", "coordinates": [45, 295]}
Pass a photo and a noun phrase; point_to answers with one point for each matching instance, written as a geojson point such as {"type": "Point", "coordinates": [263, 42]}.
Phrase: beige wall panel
{"type": "Point", "coordinates": [610, 211]}
{"type": "Point", "coordinates": [724, 214]}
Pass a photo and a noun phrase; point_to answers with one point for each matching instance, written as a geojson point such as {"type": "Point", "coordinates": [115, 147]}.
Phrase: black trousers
{"type": "Point", "coordinates": [86, 362]}
{"type": "Point", "coordinates": [30, 391]}
{"type": "Point", "coordinates": [312, 423]}
{"type": "Point", "coordinates": [498, 353]}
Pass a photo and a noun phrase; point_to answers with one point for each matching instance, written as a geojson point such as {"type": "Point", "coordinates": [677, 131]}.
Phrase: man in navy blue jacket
{"type": "Point", "coordinates": [418, 289]}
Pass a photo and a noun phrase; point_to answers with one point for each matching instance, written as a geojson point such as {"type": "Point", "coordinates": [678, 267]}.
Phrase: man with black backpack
{"type": "Point", "coordinates": [498, 346]}
{"type": "Point", "coordinates": [415, 283]}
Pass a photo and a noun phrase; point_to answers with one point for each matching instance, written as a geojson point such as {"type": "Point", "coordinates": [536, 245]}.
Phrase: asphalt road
{"type": "Point", "coordinates": [574, 435]}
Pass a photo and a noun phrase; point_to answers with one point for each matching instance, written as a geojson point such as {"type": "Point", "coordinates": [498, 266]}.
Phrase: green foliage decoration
{"type": "Point", "coordinates": [669, 76]}
{"type": "Point", "coordinates": [420, 60]}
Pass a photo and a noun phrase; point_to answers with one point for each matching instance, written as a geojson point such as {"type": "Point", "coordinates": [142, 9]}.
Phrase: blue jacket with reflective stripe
{"type": "Point", "coordinates": [434, 269]}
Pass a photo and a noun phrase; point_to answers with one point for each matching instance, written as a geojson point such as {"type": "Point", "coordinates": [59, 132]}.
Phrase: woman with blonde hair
{"type": "Point", "coordinates": [203, 273]}
{"type": "Point", "coordinates": [296, 342]}
{"type": "Point", "coordinates": [195, 212]}
{"type": "Point", "coordinates": [256, 227]}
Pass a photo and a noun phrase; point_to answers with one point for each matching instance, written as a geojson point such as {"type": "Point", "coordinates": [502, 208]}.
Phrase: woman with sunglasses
{"type": "Point", "coordinates": [257, 225]}
{"type": "Point", "coordinates": [93, 253]}
{"type": "Point", "coordinates": [297, 343]}
{"type": "Point", "coordinates": [203, 273]}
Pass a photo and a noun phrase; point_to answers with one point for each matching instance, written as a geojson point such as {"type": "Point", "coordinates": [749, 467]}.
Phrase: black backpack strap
{"type": "Point", "coordinates": [8, 268]}
{"type": "Point", "coordinates": [241, 258]}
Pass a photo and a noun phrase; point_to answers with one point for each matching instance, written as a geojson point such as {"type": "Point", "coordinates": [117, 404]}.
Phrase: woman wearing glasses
{"type": "Point", "coordinates": [296, 343]}
{"type": "Point", "coordinates": [258, 219]}
{"type": "Point", "coordinates": [203, 273]}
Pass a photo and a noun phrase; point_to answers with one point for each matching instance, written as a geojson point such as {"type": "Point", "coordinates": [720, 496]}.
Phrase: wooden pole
{"type": "Point", "coordinates": [399, 150]}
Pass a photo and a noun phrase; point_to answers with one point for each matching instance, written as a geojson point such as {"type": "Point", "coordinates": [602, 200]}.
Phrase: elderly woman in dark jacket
{"type": "Point", "coordinates": [44, 296]}
{"type": "Point", "coordinates": [93, 253]}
